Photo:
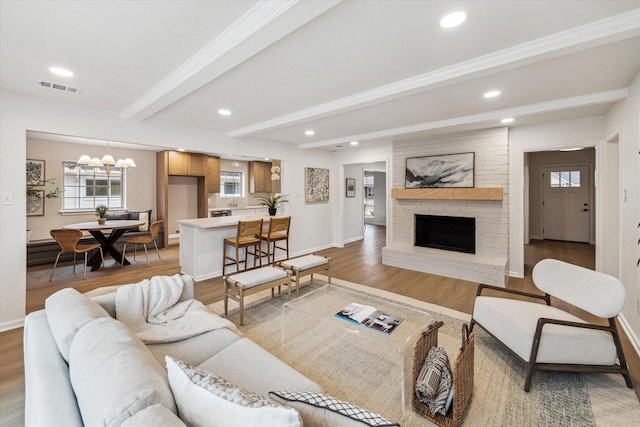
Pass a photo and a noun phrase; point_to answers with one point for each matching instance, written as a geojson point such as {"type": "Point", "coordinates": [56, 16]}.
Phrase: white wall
{"type": "Point", "coordinates": [624, 120]}
{"type": "Point", "coordinates": [19, 113]}
{"type": "Point", "coordinates": [353, 206]}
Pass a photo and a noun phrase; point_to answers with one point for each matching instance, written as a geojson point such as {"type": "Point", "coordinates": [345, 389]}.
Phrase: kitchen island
{"type": "Point", "coordinates": [201, 243]}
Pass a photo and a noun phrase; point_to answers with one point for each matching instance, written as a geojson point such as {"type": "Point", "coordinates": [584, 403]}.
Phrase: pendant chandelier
{"type": "Point", "coordinates": [107, 160]}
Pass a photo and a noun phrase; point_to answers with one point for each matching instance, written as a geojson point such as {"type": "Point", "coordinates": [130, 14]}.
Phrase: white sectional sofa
{"type": "Point", "coordinates": [83, 367]}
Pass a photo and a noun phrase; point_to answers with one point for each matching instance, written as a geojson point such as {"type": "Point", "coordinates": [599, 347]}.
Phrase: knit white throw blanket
{"type": "Point", "coordinates": [150, 308]}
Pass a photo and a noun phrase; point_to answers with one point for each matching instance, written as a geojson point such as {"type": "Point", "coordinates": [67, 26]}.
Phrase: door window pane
{"type": "Point", "coordinates": [555, 179]}
{"type": "Point", "coordinates": [575, 178]}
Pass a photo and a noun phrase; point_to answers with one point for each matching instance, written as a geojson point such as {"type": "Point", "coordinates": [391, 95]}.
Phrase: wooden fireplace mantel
{"type": "Point", "coordinates": [447, 193]}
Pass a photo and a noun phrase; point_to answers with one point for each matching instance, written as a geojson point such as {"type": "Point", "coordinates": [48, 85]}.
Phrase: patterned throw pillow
{"type": "Point", "coordinates": [320, 410]}
{"type": "Point", "coordinates": [205, 399]}
{"type": "Point", "coordinates": [434, 383]}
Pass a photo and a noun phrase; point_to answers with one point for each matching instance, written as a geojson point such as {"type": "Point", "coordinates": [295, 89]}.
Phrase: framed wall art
{"type": "Point", "coordinates": [35, 203]}
{"type": "Point", "coordinates": [447, 170]}
{"type": "Point", "coordinates": [351, 187]}
{"type": "Point", "coordinates": [36, 174]}
{"type": "Point", "coordinates": [316, 185]}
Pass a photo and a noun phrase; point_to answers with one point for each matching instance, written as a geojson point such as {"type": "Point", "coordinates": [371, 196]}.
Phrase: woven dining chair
{"type": "Point", "coordinates": [154, 229]}
{"type": "Point", "coordinates": [278, 232]}
{"type": "Point", "coordinates": [247, 236]}
{"type": "Point", "coordinates": [68, 240]}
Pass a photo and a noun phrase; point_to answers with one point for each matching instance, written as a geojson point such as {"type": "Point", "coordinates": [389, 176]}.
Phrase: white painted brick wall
{"type": "Point", "coordinates": [491, 169]}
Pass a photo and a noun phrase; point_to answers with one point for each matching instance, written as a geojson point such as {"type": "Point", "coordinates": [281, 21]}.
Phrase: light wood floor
{"type": "Point", "coordinates": [359, 262]}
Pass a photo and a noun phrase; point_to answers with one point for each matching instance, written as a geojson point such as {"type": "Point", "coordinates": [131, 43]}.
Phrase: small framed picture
{"type": "Point", "coordinates": [36, 173]}
{"type": "Point", "coordinates": [35, 204]}
{"type": "Point", "coordinates": [351, 187]}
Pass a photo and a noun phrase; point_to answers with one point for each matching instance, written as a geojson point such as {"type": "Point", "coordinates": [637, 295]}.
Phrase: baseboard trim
{"type": "Point", "coordinates": [13, 324]}
{"type": "Point", "coordinates": [633, 338]}
{"type": "Point", "coordinates": [354, 239]}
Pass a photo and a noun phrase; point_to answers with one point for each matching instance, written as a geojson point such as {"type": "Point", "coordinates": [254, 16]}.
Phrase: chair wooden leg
{"type": "Point", "coordinates": [226, 296]}
{"type": "Point", "coordinates": [55, 265]}
{"type": "Point", "coordinates": [241, 306]}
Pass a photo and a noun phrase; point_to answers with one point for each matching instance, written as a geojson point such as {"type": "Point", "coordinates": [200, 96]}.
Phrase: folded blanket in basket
{"type": "Point", "coordinates": [434, 385]}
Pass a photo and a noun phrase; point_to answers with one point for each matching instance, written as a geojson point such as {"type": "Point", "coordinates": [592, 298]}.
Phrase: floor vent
{"type": "Point", "coordinates": [59, 87]}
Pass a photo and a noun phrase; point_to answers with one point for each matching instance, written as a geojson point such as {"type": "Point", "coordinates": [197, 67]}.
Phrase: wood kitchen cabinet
{"type": "Point", "coordinates": [213, 175]}
{"type": "Point", "coordinates": [260, 177]}
{"type": "Point", "coordinates": [187, 164]}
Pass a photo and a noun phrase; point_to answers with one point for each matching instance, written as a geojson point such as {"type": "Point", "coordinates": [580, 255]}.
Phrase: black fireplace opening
{"type": "Point", "coordinates": [451, 233]}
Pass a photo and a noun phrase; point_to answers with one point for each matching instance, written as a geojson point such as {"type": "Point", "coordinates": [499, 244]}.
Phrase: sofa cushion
{"type": "Point", "coordinates": [68, 311]}
{"type": "Point", "coordinates": [250, 366]}
{"type": "Point", "coordinates": [206, 399]}
{"type": "Point", "coordinates": [113, 374]}
{"type": "Point", "coordinates": [154, 415]}
{"type": "Point", "coordinates": [320, 410]}
{"type": "Point", "coordinates": [194, 350]}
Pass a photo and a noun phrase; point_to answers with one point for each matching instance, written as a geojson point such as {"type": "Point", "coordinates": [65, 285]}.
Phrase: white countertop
{"type": "Point", "coordinates": [221, 221]}
{"type": "Point", "coordinates": [231, 208]}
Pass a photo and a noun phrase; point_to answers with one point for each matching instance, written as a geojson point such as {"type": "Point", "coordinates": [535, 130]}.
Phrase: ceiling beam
{"type": "Point", "coordinates": [491, 116]}
{"type": "Point", "coordinates": [609, 30]}
{"type": "Point", "coordinates": [242, 39]}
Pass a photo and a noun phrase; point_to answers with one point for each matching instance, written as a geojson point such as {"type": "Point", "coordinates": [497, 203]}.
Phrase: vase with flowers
{"type": "Point", "coordinates": [273, 200]}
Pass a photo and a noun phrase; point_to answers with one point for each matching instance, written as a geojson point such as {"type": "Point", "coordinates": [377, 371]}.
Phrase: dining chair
{"type": "Point", "coordinates": [68, 240]}
{"type": "Point", "coordinates": [247, 236]}
{"type": "Point", "coordinates": [278, 232]}
{"type": "Point", "coordinates": [154, 229]}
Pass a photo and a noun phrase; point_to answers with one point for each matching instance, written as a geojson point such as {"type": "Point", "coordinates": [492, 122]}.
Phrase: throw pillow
{"type": "Point", "coordinates": [320, 410]}
{"type": "Point", "coordinates": [205, 399]}
{"type": "Point", "coordinates": [144, 216]}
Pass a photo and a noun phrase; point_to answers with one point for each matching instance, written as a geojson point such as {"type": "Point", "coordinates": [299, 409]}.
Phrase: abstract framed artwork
{"type": "Point", "coordinates": [316, 185]}
{"type": "Point", "coordinates": [350, 187]}
{"type": "Point", "coordinates": [448, 170]}
{"type": "Point", "coordinates": [35, 204]}
{"type": "Point", "coordinates": [36, 173]}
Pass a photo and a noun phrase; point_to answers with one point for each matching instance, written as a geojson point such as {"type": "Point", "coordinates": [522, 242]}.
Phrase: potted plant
{"type": "Point", "coordinates": [101, 212]}
{"type": "Point", "coordinates": [273, 200]}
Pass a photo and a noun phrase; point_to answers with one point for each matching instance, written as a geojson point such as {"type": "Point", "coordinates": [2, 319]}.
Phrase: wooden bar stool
{"type": "Point", "coordinates": [278, 232]}
{"type": "Point", "coordinates": [247, 236]}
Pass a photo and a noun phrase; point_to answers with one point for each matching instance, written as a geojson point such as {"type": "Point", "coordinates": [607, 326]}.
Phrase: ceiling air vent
{"type": "Point", "coordinates": [57, 86]}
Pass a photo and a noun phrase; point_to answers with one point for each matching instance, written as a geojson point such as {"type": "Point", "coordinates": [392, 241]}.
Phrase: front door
{"type": "Point", "coordinates": [566, 204]}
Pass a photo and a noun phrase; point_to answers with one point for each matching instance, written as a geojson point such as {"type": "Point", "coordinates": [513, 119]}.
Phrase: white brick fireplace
{"type": "Point", "coordinates": [489, 263]}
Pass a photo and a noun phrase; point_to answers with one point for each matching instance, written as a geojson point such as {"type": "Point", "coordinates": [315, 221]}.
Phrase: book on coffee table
{"type": "Point", "coordinates": [369, 316]}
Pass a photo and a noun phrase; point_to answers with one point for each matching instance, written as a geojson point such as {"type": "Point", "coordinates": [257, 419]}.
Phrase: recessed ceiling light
{"type": "Point", "coordinates": [309, 132]}
{"type": "Point", "coordinates": [354, 143]}
{"type": "Point", "coordinates": [181, 149]}
{"type": "Point", "coordinates": [492, 94]}
{"type": "Point", "coordinates": [453, 19]}
{"type": "Point", "coordinates": [507, 120]}
{"type": "Point", "coordinates": [572, 149]}
{"type": "Point", "coordinates": [224, 112]}
{"type": "Point", "coordinates": [61, 72]}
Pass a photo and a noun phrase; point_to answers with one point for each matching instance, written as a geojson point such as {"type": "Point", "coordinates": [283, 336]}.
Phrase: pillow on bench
{"type": "Point", "coordinates": [144, 216]}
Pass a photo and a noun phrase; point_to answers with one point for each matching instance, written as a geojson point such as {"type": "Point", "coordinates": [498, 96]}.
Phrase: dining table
{"type": "Point", "coordinates": [114, 229]}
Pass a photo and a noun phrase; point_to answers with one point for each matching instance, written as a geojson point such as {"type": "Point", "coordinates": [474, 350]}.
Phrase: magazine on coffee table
{"type": "Point", "coordinates": [369, 316]}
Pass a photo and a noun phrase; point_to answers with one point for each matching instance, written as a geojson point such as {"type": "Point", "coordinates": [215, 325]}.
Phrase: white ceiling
{"type": "Point", "coordinates": [351, 70]}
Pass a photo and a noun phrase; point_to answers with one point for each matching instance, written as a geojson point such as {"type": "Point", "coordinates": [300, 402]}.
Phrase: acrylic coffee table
{"type": "Point", "coordinates": [355, 360]}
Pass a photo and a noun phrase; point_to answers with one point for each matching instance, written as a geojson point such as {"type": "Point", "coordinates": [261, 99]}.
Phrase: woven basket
{"type": "Point", "coordinates": [462, 375]}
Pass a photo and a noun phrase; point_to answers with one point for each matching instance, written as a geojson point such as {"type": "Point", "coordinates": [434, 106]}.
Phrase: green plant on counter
{"type": "Point", "coordinates": [272, 200]}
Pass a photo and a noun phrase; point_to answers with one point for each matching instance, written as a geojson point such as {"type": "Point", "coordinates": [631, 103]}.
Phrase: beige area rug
{"type": "Point", "coordinates": [498, 399]}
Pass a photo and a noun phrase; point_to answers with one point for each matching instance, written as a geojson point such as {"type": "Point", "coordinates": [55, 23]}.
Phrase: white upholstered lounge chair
{"type": "Point", "coordinates": [547, 338]}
